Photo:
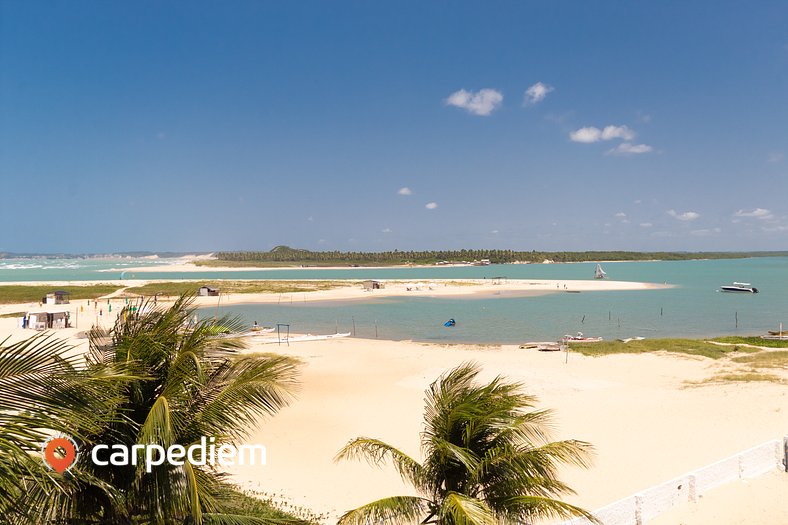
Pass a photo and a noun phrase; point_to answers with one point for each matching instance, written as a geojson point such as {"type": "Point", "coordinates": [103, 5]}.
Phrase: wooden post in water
{"type": "Point", "coordinates": [354, 326]}
{"type": "Point", "coordinates": [376, 328]}
{"type": "Point", "coordinates": [737, 320]}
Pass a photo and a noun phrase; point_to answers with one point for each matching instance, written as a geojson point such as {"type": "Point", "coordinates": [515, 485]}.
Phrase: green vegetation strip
{"type": "Point", "coordinates": [287, 256]}
{"type": "Point", "coordinates": [18, 293]}
{"type": "Point", "coordinates": [770, 359]}
{"type": "Point", "coordinates": [174, 288]}
{"type": "Point", "coordinates": [755, 341]}
{"type": "Point", "coordinates": [679, 346]}
{"type": "Point", "coordinates": [742, 377]}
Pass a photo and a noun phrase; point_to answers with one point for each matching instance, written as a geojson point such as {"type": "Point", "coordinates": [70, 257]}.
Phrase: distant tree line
{"type": "Point", "coordinates": [285, 254]}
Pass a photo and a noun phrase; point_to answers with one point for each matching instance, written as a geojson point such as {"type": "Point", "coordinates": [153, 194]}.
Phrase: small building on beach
{"type": "Point", "coordinates": [207, 291]}
{"type": "Point", "coordinates": [372, 285]}
{"type": "Point", "coordinates": [47, 320]}
{"type": "Point", "coordinates": [56, 297]}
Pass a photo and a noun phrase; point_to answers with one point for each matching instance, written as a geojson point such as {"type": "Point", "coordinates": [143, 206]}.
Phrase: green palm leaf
{"type": "Point", "coordinates": [377, 452]}
{"type": "Point", "coordinates": [396, 509]}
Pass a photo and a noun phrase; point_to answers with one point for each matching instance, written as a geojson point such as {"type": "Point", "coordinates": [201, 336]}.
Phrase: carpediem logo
{"type": "Point", "coordinates": [60, 453]}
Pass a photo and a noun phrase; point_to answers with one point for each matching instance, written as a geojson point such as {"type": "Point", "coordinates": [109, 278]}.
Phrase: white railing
{"type": "Point", "coordinates": [639, 508]}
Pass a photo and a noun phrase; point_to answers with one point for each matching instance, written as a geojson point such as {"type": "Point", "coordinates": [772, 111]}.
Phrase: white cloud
{"type": "Point", "coordinates": [431, 205]}
{"type": "Point", "coordinates": [776, 229]}
{"type": "Point", "coordinates": [704, 233]}
{"type": "Point", "coordinates": [617, 132]}
{"type": "Point", "coordinates": [757, 213]}
{"type": "Point", "coordinates": [494, 232]}
{"type": "Point", "coordinates": [627, 148]}
{"type": "Point", "coordinates": [620, 215]}
{"type": "Point", "coordinates": [646, 225]}
{"type": "Point", "coordinates": [774, 157]}
{"type": "Point", "coordinates": [592, 134]}
{"type": "Point", "coordinates": [586, 135]}
{"type": "Point", "coordinates": [405, 191]}
{"type": "Point", "coordinates": [686, 216]}
{"type": "Point", "coordinates": [481, 103]}
{"type": "Point", "coordinates": [536, 93]}
{"type": "Point", "coordinates": [386, 230]}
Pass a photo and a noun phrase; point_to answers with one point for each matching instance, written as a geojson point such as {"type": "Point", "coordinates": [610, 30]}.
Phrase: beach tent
{"type": "Point", "coordinates": [49, 320]}
{"type": "Point", "coordinates": [56, 297]}
{"type": "Point", "coordinates": [372, 285]}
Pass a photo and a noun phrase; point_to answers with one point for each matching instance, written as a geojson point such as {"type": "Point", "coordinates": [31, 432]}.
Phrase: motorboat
{"type": "Point", "coordinates": [739, 287]}
{"type": "Point", "coordinates": [580, 338]}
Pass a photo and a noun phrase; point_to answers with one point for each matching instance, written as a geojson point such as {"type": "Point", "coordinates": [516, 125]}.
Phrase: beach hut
{"type": "Point", "coordinates": [48, 320]}
{"type": "Point", "coordinates": [372, 285]}
{"type": "Point", "coordinates": [207, 291]}
{"type": "Point", "coordinates": [56, 297]}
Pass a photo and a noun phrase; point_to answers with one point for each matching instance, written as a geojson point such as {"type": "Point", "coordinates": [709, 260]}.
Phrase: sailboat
{"type": "Point", "coordinates": [599, 273]}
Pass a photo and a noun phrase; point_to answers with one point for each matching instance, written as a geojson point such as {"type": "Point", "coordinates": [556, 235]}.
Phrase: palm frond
{"type": "Point", "coordinates": [376, 452]}
{"type": "Point", "coordinates": [244, 389]}
{"type": "Point", "coordinates": [396, 509]}
{"type": "Point", "coordinates": [459, 509]}
{"type": "Point", "coordinates": [528, 508]}
{"type": "Point", "coordinates": [157, 428]}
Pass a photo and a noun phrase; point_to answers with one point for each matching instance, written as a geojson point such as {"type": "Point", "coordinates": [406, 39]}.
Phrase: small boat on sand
{"type": "Point", "coordinates": [580, 338]}
{"type": "Point", "coordinates": [776, 335]}
{"type": "Point", "coordinates": [541, 346]}
{"type": "Point", "coordinates": [739, 287]}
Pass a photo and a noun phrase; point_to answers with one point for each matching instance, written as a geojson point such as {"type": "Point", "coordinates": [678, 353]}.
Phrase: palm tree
{"type": "Point", "coordinates": [44, 390]}
{"type": "Point", "coordinates": [487, 461]}
{"type": "Point", "coordinates": [183, 380]}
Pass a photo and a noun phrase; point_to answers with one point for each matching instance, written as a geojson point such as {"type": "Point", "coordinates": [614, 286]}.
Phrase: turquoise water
{"type": "Point", "coordinates": [694, 308]}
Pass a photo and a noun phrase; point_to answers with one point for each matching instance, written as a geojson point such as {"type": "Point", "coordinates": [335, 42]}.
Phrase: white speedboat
{"type": "Point", "coordinates": [580, 338]}
{"type": "Point", "coordinates": [739, 287]}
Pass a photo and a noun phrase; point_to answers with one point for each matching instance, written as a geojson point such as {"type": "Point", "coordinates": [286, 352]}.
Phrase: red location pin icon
{"type": "Point", "coordinates": [60, 453]}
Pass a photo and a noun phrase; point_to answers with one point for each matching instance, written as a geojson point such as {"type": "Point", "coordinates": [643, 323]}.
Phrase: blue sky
{"type": "Point", "coordinates": [525, 125]}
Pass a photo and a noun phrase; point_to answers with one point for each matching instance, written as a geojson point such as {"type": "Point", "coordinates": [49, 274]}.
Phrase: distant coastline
{"type": "Point", "coordinates": [284, 257]}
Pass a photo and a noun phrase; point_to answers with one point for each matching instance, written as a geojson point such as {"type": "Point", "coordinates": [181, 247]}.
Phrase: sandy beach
{"type": "Point", "coordinates": [650, 417]}
{"type": "Point", "coordinates": [391, 288]}
{"type": "Point", "coordinates": [641, 412]}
